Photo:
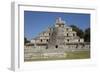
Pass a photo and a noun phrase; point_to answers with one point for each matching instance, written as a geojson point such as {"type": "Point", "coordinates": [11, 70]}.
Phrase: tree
{"type": "Point", "coordinates": [87, 35]}
{"type": "Point", "coordinates": [25, 40]}
{"type": "Point", "coordinates": [80, 33]}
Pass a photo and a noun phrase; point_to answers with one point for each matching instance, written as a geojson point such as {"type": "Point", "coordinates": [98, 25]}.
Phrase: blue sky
{"type": "Point", "coordinates": [36, 22]}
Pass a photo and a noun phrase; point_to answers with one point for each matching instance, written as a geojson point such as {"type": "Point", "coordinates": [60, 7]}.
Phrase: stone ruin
{"type": "Point", "coordinates": [56, 39]}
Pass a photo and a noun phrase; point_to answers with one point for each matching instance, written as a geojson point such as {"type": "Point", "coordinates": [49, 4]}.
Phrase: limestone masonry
{"type": "Point", "coordinates": [55, 40]}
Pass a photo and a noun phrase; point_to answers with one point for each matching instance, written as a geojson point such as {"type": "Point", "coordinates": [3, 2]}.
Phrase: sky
{"type": "Point", "coordinates": [35, 21]}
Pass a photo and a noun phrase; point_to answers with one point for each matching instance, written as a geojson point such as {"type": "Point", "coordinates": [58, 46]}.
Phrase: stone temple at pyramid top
{"type": "Point", "coordinates": [59, 22]}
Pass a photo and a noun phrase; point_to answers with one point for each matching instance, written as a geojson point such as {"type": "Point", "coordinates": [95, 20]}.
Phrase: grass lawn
{"type": "Point", "coordinates": [78, 55]}
{"type": "Point", "coordinates": [68, 56]}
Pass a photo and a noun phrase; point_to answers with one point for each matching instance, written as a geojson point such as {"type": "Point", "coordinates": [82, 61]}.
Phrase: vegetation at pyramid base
{"type": "Point", "coordinates": [26, 40]}
{"type": "Point", "coordinates": [82, 34]}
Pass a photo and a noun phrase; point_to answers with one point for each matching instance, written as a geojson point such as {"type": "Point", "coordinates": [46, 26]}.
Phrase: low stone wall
{"type": "Point", "coordinates": [36, 55]}
{"type": "Point", "coordinates": [31, 52]}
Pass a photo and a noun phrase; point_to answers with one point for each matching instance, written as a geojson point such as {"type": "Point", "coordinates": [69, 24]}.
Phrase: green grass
{"type": "Point", "coordinates": [78, 55]}
{"type": "Point", "coordinates": [68, 56]}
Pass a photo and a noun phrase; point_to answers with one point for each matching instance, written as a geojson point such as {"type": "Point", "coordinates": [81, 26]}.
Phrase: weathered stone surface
{"type": "Point", "coordinates": [55, 41]}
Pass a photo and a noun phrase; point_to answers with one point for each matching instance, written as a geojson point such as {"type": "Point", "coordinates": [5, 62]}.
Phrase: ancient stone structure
{"type": "Point", "coordinates": [56, 40]}
{"type": "Point", "coordinates": [59, 36]}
